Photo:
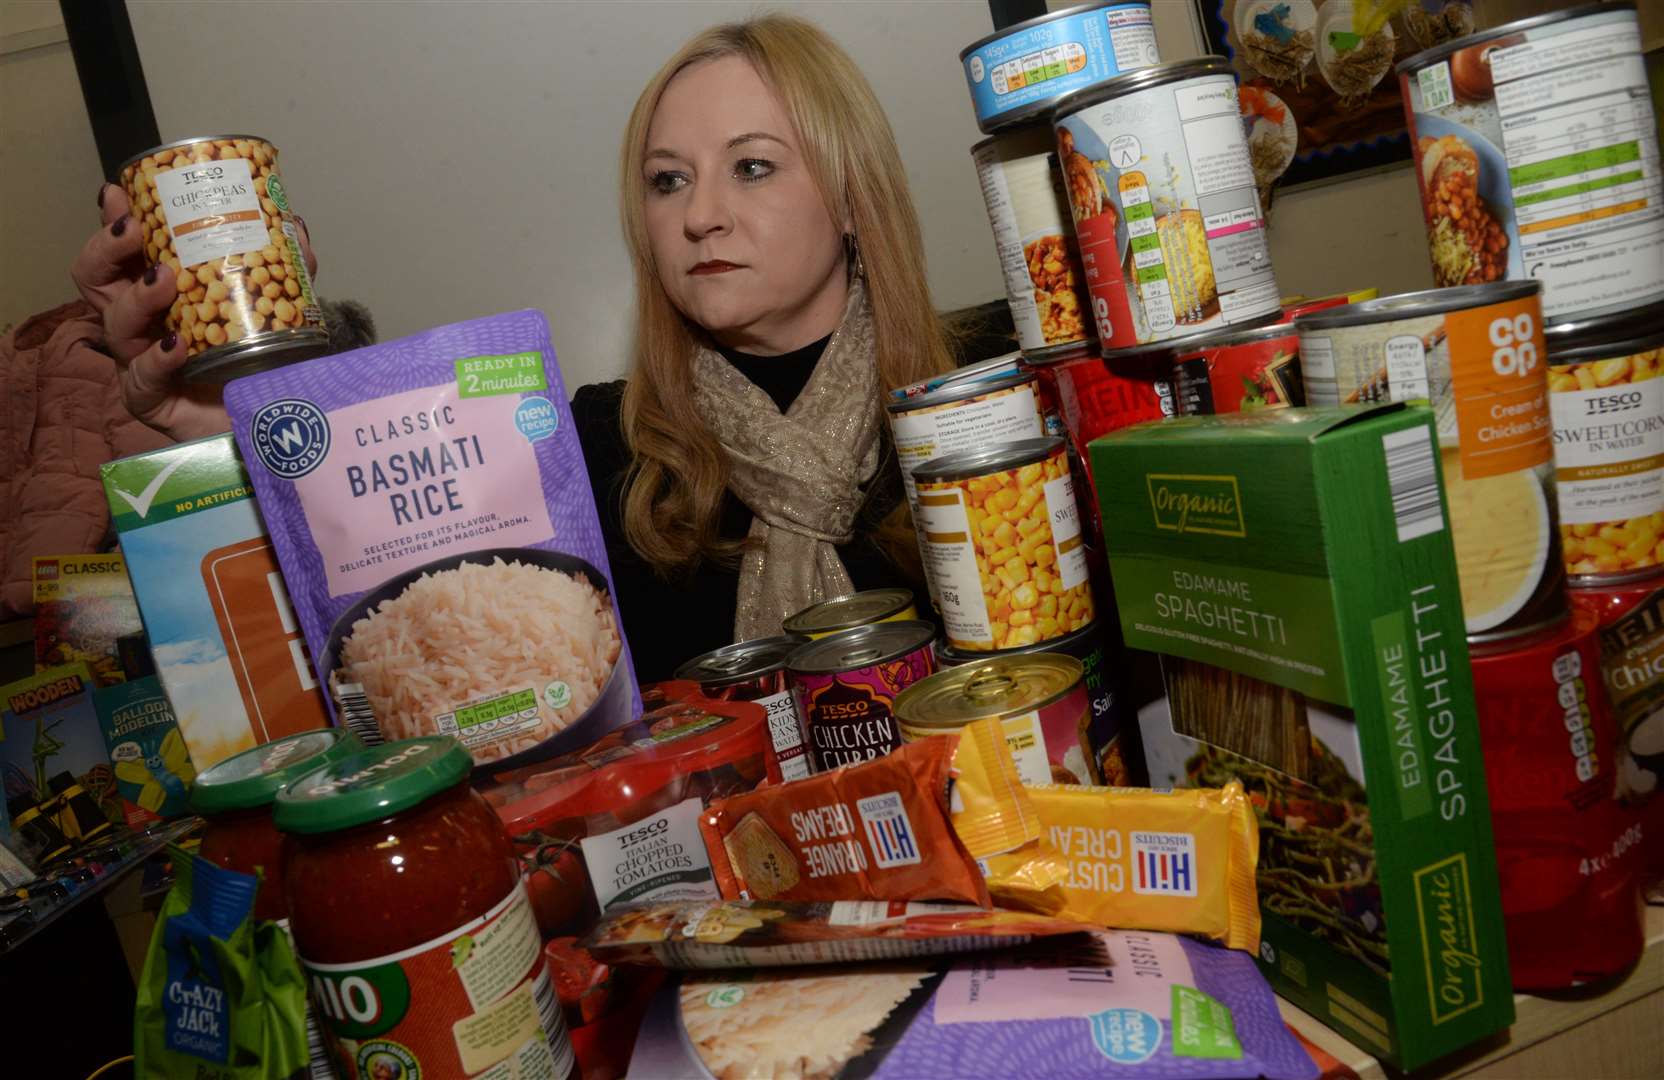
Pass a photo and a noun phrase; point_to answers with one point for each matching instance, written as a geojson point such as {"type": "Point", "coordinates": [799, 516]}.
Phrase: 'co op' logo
{"type": "Point", "coordinates": [1513, 348]}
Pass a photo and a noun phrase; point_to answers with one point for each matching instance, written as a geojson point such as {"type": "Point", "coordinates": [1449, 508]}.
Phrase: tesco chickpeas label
{"type": "Point", "coordinates": [212, 210]}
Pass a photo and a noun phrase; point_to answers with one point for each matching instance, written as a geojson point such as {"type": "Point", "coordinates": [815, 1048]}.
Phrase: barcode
{"type": "Point", "coordinates": [320, 1069]}
{"type": "Point", "coordinates": [352, 709]}
{"type": "Point", "coordinates": [1413, 481]}
{"type": "Point", "coordinates": [554, 1024]}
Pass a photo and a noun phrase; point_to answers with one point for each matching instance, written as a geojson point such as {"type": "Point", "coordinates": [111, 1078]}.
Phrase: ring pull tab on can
{"type": "Point", "coordinates": [984, 689]}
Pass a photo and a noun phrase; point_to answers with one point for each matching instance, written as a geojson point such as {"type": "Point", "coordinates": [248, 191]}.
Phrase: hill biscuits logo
{"type": "Point", "coordinates": [1184, 503]}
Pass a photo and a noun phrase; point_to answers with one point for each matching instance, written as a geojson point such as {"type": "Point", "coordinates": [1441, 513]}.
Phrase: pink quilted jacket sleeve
{"type": "Point", "coordinates": [61, 417]}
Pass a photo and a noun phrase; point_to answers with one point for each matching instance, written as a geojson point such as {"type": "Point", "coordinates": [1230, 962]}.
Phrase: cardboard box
{"type": "Point", "coordinates": [48, 725]}
{"type": "Point", "coordinates": [227, 647]}
{"type": "Point", "coordinates": [153, 769]}
{"type": "Point", "coordinates": [1296, 571]}
{"type": "Point", "coordinates": [83, 606]}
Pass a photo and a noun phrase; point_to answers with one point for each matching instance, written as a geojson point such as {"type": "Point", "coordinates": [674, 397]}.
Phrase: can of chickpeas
{"type": "Point", "coordinates": [1002, 541]}
{"type": "Point", "coordinates": [215, 214]}
{"type": "Point", "coordinates": [1608, 405]}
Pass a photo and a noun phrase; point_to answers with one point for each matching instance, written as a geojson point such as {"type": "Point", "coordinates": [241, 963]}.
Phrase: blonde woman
{"type": "Point", "coordinates": [744, 469]}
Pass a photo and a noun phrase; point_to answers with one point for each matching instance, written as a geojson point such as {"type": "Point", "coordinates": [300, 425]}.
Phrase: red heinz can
{"type": "Point", "coordinates": [1239, 371]}
{"type": "Point", "coordinates": [1571, 897]}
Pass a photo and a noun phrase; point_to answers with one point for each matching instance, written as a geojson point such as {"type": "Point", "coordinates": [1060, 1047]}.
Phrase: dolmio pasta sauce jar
{"type": "Point", "coordinates": [409, 917]}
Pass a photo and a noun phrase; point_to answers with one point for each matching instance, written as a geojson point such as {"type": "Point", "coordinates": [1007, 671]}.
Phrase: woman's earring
{"type": "Point", "coordinates": [852, 258]}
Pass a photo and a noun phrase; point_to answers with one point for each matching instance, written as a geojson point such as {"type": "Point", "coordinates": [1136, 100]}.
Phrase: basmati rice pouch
{"type": "Point", "coordinates": [429, 505]}
{"type": "Point", "coordinates": [996, 820]}
{"type": "Point", "coordinates": [222, 997]}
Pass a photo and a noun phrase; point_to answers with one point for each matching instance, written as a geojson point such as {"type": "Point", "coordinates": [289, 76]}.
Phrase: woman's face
{"type": "Point", "coordinates": [744, 245]}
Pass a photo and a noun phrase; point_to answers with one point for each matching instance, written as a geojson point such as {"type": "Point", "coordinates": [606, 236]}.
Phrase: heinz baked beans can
{"type": "Point", "coordinates": [1034, 237]}
{"type": "Point", "coordinates": [1608, 406]}
{"type": "Point", "coordinates": [1239, 371]}
{"type": "Point", "coordinates": [1537, 156]}
{"type": "Point", "coordinates": [1477, 354]}
{"type": "Point", "coordinates": [215, 214]}
{"type": "Point", "coordinates": [756, 671]}
{"type": "Point", "coordinates": [1002, 538]}
{"type": "Point", "coordinates": [1166, 215]}
{"type": "Point", "coordinates": [1040, 700]}
{"type": "Point", "coordinates": [846, 686]}
{"type": "Point", "coordinates": [1566, 854]}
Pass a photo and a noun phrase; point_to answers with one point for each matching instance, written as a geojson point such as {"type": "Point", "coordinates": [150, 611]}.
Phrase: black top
{"type": "Point", "coordinates": [669, 622]}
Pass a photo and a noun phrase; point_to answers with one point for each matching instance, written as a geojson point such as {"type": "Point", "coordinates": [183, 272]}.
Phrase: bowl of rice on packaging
{"type": "Point", "coordinates": [429, 505]}
{"type": "Point", "coordinates": [1110, 1003]}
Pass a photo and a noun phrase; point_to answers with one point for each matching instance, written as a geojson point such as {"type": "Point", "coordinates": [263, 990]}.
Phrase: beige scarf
{"type": "Point", "coordinates": [801, 472]}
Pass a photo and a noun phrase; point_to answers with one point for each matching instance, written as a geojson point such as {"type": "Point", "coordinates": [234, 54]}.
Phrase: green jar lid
{"type": "Point", "coordinates": [254, 777]}
{"type": "Point", "coordinates": [372, 784]}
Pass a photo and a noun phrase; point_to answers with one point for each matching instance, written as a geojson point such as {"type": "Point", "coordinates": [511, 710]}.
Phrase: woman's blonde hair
{"type": "Point", "coordinates": [673, 491]}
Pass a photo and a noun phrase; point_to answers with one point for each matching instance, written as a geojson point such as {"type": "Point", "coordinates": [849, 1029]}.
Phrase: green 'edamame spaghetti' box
{"type": "Point", "coordinates": [1295, 570]}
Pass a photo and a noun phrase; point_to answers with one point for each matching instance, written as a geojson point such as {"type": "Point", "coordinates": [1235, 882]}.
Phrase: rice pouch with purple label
{"type": "Point", "coordinates": [430, 508]}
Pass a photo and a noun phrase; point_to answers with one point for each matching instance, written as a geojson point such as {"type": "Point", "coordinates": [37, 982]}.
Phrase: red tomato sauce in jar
{"type": "Point", "coordinates": [410, 920]}
{"type": "Point", "coordinates": [236, 794]}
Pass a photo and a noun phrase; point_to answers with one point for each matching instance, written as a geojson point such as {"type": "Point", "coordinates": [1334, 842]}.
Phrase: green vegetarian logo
{"type": "Point", "coordinates": [364, 1003]}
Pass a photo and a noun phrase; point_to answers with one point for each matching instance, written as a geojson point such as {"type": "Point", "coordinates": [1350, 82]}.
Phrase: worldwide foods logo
{"type": "Point", "coordinates": [290, 437]}
{"type": "Point", "coordinates": [1186, 503]}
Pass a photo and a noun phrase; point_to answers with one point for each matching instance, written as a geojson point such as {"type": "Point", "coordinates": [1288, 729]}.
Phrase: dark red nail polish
{"type": "Point", "coordinates": [150, 274]}
{"type": "Point", "coordinates": [101, 188]}
{"type": "Point", "coordinates": [119, 227]}
{"type": "Point", "coordinates": [170, 342]}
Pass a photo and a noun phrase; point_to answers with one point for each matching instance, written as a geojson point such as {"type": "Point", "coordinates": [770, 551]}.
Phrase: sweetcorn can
{"type": "Point", "coordinates": [756, 671]}
{"type": "Point", "coordinates": [846, 686]}
{"type": "Point", "coordinates": [1608, 405]}
{"type": "Point", "coordinates": [1002, 539]}
{"type": "Point", "coordinates": [1477, 354]}
{"type": "Point", "coordinates": [1169, 224]}
{"type": "Point", "coordinates": [1041, 702]}
{"type": "Point", "coordinates": [215, 215]}
{"type": "Point", "coordinates": [848, 612]}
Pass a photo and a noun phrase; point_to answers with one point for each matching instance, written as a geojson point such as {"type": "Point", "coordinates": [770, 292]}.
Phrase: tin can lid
{"type": "Point", "coordinates": [1022, 140]}
{"type": "Point", "coordinates": [260, 353]}
{"type": "Point", "coordinates": [1479, 37]}
{"type": "Point", "coordinates": [1189, 347]}
{"type": "Point", "coordinates": [193, 140]}
{"type": "Point", "coordinates": [254, 777]}
{"type": "Point", "coordinates": [848, 612]}
{"type": "Point", "coordinates": [988, 459]}
{"type": "Point", "coordinates": [1144, 78]}
{"type": "Point", "coordinates": [1080, 644]}
{"type": "Point", "coordinates": [960, 389]}
{"type": "Point", "coordinates": [371, 784]}
{"type": "Point", "coordinates": [1062, 13]}
{"type": "Point", "coordinates": [1413, 304]}
{"type": "Point", "coordinates": [875, 643]}
{"type": "Point", "coordinates": [1601, 337]}
{"type": "Point", "coordinates": [1057, 354]}
{"type": "Point", "coordinates": [996, 686]}
{"type": "Point", "coordinates": [740, 661]}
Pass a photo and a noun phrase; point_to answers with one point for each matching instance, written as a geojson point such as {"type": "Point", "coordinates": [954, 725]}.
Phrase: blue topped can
{"type": "Point", "coordinates": [1017, 74]}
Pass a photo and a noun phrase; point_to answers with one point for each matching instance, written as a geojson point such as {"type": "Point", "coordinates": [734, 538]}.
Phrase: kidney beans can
{"type": "Point", "coordinates": [846, 685]}
{"type": "Point", "coordinates": [1002, 539]}
{"type": "Point", "coordinates": [1166, 215]}
{"type": "Point", "coordinates": [756, 671]}
{"type": "Point", "coordinates": [1478, 355]}
{"type": "Point", "coordinates": [1239, 371]}
{"type": "Point", "coordinates": [1034, 237]}
{"type": "Point", "coordinates": [1017, 74]}
{"type": "Point", "coordinates": [1566, 854]}
{"type": "Point", "coordinates": [215, 215]}
{"type": "Point", "coordinates": [848, 612]}
{"type": "Point", "coordinates": [1040, 700]}
{"type": "Point", "coordinates": [1608, 404]}
{"type": "Point", "coordinates": [1537, 156]}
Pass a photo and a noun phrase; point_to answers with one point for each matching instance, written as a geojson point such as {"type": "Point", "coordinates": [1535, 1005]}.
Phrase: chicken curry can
{"type": "Point", "coordinates": [1169, 224]}
{"type": "Point", "coordinates": [846, 686]}
{"type": "Point", "coordinates": [1034, 238]}
{"type": "Point", "coordinates": [1536, 152]}
{"type": "Point", "coordinates": [1017, 74]}
{"type": "Point", "coordinates": [1239, 371]}
{"type": "Point", "coordinates": [1002, 539]}
{"type": "Point", "coordinates": [215, 215]}
{"type": "Point", "coordinates": [1040, 700]}
{"type": "Point", "coordinates": [1477, 354]}
{"type": "Point", "coordinates": [850, 611]}
{"type": "Point", "coordinates": [1608, 405]}
{"type": "Point", "coordinates": [756, 671]}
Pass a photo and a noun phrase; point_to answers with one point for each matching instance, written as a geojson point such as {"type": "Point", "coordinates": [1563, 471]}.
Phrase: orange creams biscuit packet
{"type": "Point", "coordinates": [875, 831]}
{"type": "Point", "coordinates": [1180, 861]}
{"type": "Point", "coordinates": [997, 822]}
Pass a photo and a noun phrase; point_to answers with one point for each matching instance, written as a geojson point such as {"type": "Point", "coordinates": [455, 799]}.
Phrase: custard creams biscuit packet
{"type": "Point", "coordinates": [998, 824]}
{"type": "Point", "coordinates": [875, 831]}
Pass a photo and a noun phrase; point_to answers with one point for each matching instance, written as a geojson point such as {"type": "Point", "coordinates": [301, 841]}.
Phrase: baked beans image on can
{"type": "Point", "coordinates": [1608, 405]}
{"type": "Point", "coordinates": [1536, 152]}
{"type": "Point", "coordinates": [848, 612]}
{"type": "Point", "coordinates": [756, 671]}
{"type": "Point", "coordinates": [1002, 539]}
{"type": "Point", "coordinates": [1034, 237]}
{"type": "Point", "coordinates": [847, 683]}
{"type": "Point", "coordinates": [1477, 354]}
{"type": "Point", "coordinates": [1168, 221]}
{"type": "Point", "coordinates": [1017, 74]}
{"type": "Point", "coordinates": [1239, 371]}
{"type": "Point", "coordinates": [215, 214]}
{"type": "Point", "coordinates": [1040, 700]}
